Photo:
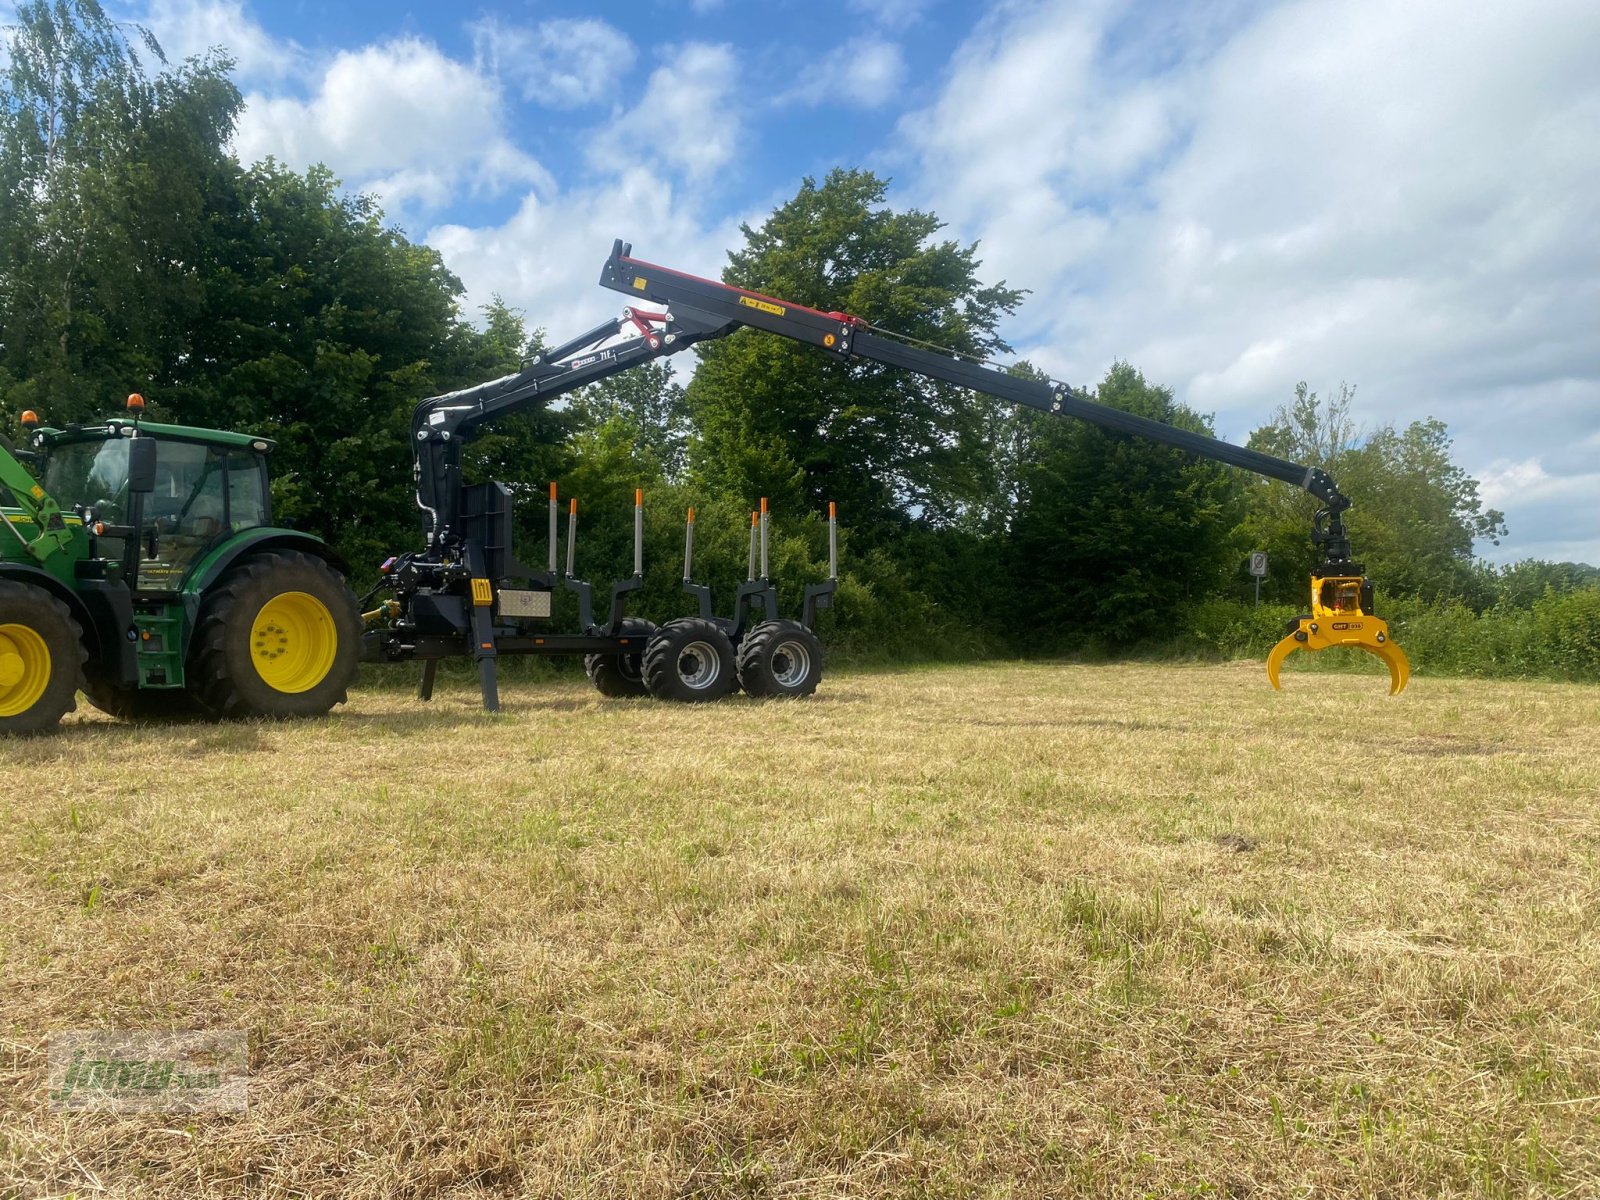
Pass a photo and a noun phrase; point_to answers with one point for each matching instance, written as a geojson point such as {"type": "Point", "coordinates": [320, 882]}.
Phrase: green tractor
{"type": "Point", "coordinates": [139, 565]}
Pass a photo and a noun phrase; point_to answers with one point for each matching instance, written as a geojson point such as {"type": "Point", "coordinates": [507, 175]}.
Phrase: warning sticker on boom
{"type": "Point", "coordinates": [776, 310]}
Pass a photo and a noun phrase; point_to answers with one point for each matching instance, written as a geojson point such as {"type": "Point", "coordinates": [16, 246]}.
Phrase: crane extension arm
{"type": "Point", "coordinates": [846, 337]}
{"type": "Point", "coordinates": [699, 309]}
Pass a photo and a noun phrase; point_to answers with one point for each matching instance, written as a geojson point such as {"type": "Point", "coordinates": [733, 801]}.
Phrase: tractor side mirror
{"type": "Point", "coordinates": [141, 466]}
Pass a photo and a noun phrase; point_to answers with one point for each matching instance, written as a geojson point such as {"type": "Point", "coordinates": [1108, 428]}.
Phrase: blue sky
{"type": "Point", "coordinates": [1232, 196]}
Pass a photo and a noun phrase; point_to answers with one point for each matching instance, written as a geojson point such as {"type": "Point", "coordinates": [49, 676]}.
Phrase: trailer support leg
{"type": "Point", "coordinates": [430, 668]}
{"type": "Point", "coordinates": [482, 621]}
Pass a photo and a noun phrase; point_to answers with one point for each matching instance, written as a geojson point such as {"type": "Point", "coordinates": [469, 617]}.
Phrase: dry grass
{"type": "Point", "coordinates": [1005, 931]}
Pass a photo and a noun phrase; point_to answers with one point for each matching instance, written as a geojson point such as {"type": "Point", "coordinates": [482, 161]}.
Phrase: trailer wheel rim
{"type": "Point", "coordinates": [699, 666]}
{"type": "Point", "coordinates": [24, 669]}
{"type": "Point", "coordinates": [293, 642]}
{"type": "Point", "coordinates": [791, 663]}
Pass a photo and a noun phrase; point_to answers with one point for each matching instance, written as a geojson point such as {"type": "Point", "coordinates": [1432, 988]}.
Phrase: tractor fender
{"type": "Point", "coordinates": [23, 573]}
{"type": "Point", "coordinates": [252, 541]}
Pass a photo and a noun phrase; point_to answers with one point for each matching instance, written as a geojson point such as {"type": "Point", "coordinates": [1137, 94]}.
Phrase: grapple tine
{"type": "Point", "coordinates": [1280, 652]}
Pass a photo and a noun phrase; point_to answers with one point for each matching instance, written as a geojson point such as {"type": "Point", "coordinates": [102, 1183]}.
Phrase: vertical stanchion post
{"type": "Point", "coordinates": [554, 530]}
{"type": "Point", "coordinates": [833, 540]}
{"type": "Point", "coordinates": [755, 519]}
{"type": "Point", "coordinates": [764, 527]}
{"type": "Point", "coordinates": [638, 532]}
{"type": "Point", "coordinates": [572, 540]}
{"type": "Point", "coordinates": [688, 547]}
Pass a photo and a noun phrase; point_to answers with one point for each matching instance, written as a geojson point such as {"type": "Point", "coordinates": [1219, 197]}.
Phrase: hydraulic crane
{"type": "Point", "coordinates": [452, 596]}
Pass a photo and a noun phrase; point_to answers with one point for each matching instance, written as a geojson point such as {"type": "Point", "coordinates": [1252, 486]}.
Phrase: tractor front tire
{"type": "Point", "coordinates": [41, 659]}
{"type": "Point", "coordinates": [279, 636]}
{"type": "Point", "coordinates": [780, 658]}
{"type": "Point", "coordinates": [690, 660]}
{"type": "Point", "coordinates": [619, 675]}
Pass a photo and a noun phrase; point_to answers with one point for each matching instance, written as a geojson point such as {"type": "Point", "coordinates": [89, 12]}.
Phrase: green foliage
{"type": "Point", "coordinates": [1415, 514]}
{"type": "Point", "coordinates": [1419, 513]}
{"type": "Point", "coordinates": [1112, 532]}
{"type": "Point", "coordinates": [1520, 584]}
{"type": "Point", "coordinates": [102, 269]}
{"type": "Point", "coordinates": [777, 419]}
{"type": "Point", "coordinates": [1558, 637]}
{"type": "Point", "coordinates": [650, 405]}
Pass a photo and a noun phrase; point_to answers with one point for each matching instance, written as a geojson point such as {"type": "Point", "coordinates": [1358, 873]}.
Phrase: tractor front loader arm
{"type": "Point", "coordinates": [40, 528]}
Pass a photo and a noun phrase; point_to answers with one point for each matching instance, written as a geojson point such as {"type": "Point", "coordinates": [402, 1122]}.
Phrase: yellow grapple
{"type": "Point", "coordinates": [1341, 615]}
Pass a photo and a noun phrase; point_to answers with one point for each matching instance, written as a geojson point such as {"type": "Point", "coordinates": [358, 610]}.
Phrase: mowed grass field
{"type": "Point", "coordinates": [1013, 930]}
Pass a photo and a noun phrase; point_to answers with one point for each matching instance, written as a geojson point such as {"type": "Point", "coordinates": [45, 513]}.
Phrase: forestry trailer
{"type": "Point", "coordinates": [139, 562]}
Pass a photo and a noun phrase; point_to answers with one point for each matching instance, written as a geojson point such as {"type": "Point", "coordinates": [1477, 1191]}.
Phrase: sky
{"type": "Point", "coordinates": [1232, 196]}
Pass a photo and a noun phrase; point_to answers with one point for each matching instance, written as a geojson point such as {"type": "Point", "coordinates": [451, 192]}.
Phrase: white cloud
{"type": "Point", "coordinates": [186, 28]}
{"type": "Point", "coordinates": [896, 14]}
{"type": "Point", "coordinates": [1402, 196]}
{"type": "Point", "coordinates": [869, 74]}
{"type": "Point", "coordinates": [686, 121]}
{"type": "Point", "coordinates": [559, 64]}
{"type": "Point", "coordinates": [547, 257]}
{"type": "Point", "coordinates": [400, 119]}
{"type": "Point", "coordinates": [1504, 480]}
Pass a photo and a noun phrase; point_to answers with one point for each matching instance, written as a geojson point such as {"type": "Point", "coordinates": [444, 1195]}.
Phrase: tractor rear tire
{"type": "Point", "coordinates": [780, 658]}
{"type": "Point", "coordinates": [41, 659]}
{"type": "Point", "coordinates": [690, 660]}
{"type": "Point", "coordinates": [279, 636]}
{"type": "Point", "coordinates": [619, 675]}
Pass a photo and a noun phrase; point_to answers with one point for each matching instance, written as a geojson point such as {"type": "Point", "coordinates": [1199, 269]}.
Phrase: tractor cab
{"type": "Point", "coordinates": [207, 485]}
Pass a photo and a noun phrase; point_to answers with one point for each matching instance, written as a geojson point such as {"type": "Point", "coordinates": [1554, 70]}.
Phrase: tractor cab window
{"type": "Point", "coordinates": [202, 494]}
{"type": "Point", "coordinates": [247, 490]}
{"type": "Point", "coordinates": [91, 473]}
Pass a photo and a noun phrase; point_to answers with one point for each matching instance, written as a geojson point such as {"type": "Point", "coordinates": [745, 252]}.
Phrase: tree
{"type": "Point", "coordinates": [649, 405]}
{"type": "Point", "coordinates": [102, 269]}
{"type": "Point", "coordinates": [1419, 513]}
{"type": "Point", "coordinates": [1315, 433]}
{"type": "Point", "coordinates": [1414, 514]}
{"type": "Point", "coordinates": [1114, 533]}
{"type": "Point", "coordinates": [323, 328]}
{"type": "Point", "coordinates": [778, 419]}
{"type": "Point", "coordinates": [1522, 584]}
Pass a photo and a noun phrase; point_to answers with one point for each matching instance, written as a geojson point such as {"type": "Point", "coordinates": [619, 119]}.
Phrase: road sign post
{"type": "Point", "coordinates": [1258, 568]}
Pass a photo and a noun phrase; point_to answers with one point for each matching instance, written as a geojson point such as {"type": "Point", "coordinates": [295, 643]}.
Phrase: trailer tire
{"type": "Point", "coordinates": [780, 658]}
{"type": "Point", "coordinates": [619, 675]}
{"type": "Point", "coordinates": [41, 659]}
{"type": "Point", "coordinates": [690, 660]}
{"type": "Point", "coordinates": [279, 636]}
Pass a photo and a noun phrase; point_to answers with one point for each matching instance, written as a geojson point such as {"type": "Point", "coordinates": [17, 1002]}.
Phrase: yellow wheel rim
{"type": "Point", "coordinates": [293, 642]}
{"type": "Point", "coordinates": [24, 669]}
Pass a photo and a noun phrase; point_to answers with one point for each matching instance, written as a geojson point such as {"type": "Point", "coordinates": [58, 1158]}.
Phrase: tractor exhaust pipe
{"type": "Point", "coordinates": [688, 548]}
{"type": "Point", "coordinates": [755, 519]}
